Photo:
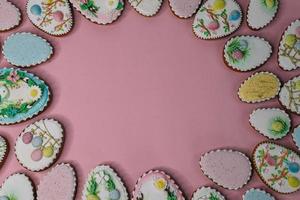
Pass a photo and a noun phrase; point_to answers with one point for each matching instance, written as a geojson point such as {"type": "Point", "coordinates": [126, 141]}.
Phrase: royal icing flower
{"type": "Point", "coordinates": [160, 184]}
{"type": "Point", "coordinates": [13, 76]}
{"type": "Point", "coordinates": [34, 93]}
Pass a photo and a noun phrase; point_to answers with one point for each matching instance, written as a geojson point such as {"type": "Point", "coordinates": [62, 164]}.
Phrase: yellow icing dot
{"type": "Point", "coordinates": [218, 5]}
{"type": "Point", "coordinates": [290, 40]}
{"type": "Point", "coordinates": [270, 3]}
{"type": "Point", "coordinates": [293, 181]}
{"type": "Point", "coordinates": [48, 151]}
{"type": "Point", "coordinates": [160, 184]}
{"type": "Point", "coordinates": [260, 87]}
{"type": "Point", "coordinates": [277, 126]}
{"type": "Point", "coordinates": [92, 197]}
{"type": "Point", "coordinates": [34, 92]}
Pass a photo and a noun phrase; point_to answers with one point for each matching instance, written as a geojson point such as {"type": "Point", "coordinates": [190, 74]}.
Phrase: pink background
{"type": "Point", "coordinates": [145, 93]}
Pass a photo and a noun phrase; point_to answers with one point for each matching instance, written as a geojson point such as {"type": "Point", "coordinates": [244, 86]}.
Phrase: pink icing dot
{"type": "Point", "coordinates": [58, 16]}
{"type": "Point", "coordinates": [37, 155]}
{"type": "Point", "coordinates": [27, 137]}
{"type": "Point", "coordinates": [214, 25]}
{"type": "Point", "coordinates": [298, 31]}
{"type": "Point", "coordinates": [238, 55]}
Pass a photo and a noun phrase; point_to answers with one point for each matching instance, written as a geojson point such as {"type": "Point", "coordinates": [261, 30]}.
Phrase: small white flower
{"type": "Point", "coordinates": [106, 178]}
{"type": "Point", "coordinates": [101, 173]}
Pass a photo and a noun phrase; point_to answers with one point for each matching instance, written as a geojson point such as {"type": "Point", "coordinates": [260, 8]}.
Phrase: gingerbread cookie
{"type": "Point", "coordinates": [17, 186]}
{"type": "Point", "coordinates": [217, 18]}
{"type": "Point", "coordinates": [278, 167]}
{"type": "Point", "coordinates": [39, 144]}
{"type": "Point", "coordinates": [99, 11]}
{"type": "Point", "coordinates": [245, 53]}
{"type": "Point", "coordinates": [105, 184]}
{"type": "Point", "coordinates": [26, 49]}
{"type": "Point", "coordinates": [261, 13]}
{"type": "Point", "coordinates": [147, 8]}
{"type": "Point", "coordinates": [59, 183]}
{"type": "Point", "coordinates": [289, 48]}
{"type": "Point", "coordinates": [10, 15]}
{"type": "Point", "coordinates": [273, 123]}
{"type": "Point", "coordinates": [261, 86]}
{"type": "Point", "coordinates": [22, 95]}
{"type": "Point", "coordinates": [296, 136]}
{"type": "Point", "coordinates": [156, 185]}
{"type": "Point", "coordinates": [227, 168]}
{"type": "Point", "coordinates": [289, 95]}
{"type": "Point", "coordinates": [184, 8]}
{"type": "Point", "coordinates": [257, 194]}
{"type": "Point", "coordinates": [51, 16]}
{"type": "Point", "coordinates": [207, 193]}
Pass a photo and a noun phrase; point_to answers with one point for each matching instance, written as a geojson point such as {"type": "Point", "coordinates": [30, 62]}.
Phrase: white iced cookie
{"type": "Point", "coordinates": [245, 53]}
{"type": "Point", "coordinates": [184, 8]}
{"type": "Point", "coordinates": [39, 144]}
{"type": "Point", "coordinates": [51, 16]}
{"type": "Point", "coordinates": [273, 123]}
{"type": "Point", "coordinates": [17, 187]}
{"type": "Point", "coordinates": [105, 184]}
{"type": "Point", "coordinates": [3, 149]}
{"type": "Point", "coordinates": [261, 13]}
{"type": "Point", "coordinates": [10, 15]}
{"type": "Point", "coordinates": [289, 48]}
{"type": "Point", "coordinates": [147, 8]}
{"type": "Point", "coordinates": [207, 193]}
{"type": "Point", "coordinates": [217, 18]}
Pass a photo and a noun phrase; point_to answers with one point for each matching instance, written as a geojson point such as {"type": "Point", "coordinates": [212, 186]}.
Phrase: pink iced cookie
{"type": "Point", "coordinates": [10, 15]}
{"type": "Point", "coordinates": [227, 168]}
{"type": "Point", "coordinates": [59, 183]}
{"type": "Point", "coordinates": [184, 8]}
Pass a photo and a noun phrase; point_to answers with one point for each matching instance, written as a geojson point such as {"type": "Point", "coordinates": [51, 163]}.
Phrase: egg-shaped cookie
{"type": "Point", "coordinates": [10, 15]}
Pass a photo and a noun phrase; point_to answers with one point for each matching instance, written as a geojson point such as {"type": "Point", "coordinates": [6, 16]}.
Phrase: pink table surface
{"type": "Point", "coordinates": [145, 93]}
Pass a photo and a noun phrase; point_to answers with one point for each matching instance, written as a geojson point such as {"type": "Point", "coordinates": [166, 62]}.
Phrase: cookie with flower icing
{"type": "Point", "coordinates": [278, 167]}
{"type": "Point", "coordinates": [207, 193]}
{"type": "Point", "coordinates": [289, 48]}
{"type": "Point", "coordinates": [51, 16]}
{"type": "Point", "coordinates": [39, 144]}
{"type": "Point", "coordinates": [156, 185]}
{"type": "Point", "coordinates": [273, 123]}
{"type": "Point", "coordinates": [259, 87]}
{"type": "Point", "coordinates": [184, 8]}
{"type": "Point", "coordinates": [245, 53]}
{"type": "Point", "coordinates": [23, 95]}
{"type": "Point", "coordinates": [289, 95]}
{"type": "Point", "coordinates": [217, 18]}
{"type": "Point", "coordinates": [99, 11]}
{"type": "Point", "coordinates": [10, 15]}
{"type": "Point", "coordinates": [257, 194]}
{"type": "Point", "coordinates": [105, 184]}
{"type": "Point", "coordinates": [261, 13]}
{"type": "Point", "coordinates": [59, 183]}
{"type": "Point", "coordinates": [17, 186]}
{"type": "Point", "coordinates": [147, 8]}
{"type": "Point", "coordinates": [227, 168]}
{"type": "Point", "coordinates": [296, 136]}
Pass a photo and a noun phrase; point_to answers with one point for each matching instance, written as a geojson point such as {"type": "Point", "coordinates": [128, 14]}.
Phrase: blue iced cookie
{"type": "Point", "coordinates": [257, 194]}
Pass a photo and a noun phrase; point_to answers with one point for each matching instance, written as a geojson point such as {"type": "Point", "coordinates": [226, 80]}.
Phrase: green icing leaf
{"type": "Point", "coordinates": [92, 188]}
{"type": "Point", "coordinates": [120, 6]}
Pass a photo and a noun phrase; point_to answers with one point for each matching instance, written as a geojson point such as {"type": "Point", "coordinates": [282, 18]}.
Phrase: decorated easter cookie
{"type": "Point", "coordinates": [17, 187]}
{"type": "Point", "coordinates": [245, 53]}
{"type": "Point", "coordinates": [227, 168]}
{"type": "Point", "coordinates": [3, 149]}
{"type": "Point", "coordinates": [184, 8]}
{"type": "Point", "coordinates": [289, 48]}
{"type": "Point", "coordinates": [51, 16]}
{"type": "Point", "coordinates": [156, 185]}
{"type": "Point", "coordinates": [104, 183]}
{"type": "Point", "coordinates": [59, 183]}
{"type": "Point", "coordinates": [38, 145]}
{"type": "Point", "coordinates": [146, 7]}
{"type": "Point", "coordinates": [217, 18]}
{"type": "Point", "coordinates": [273, 123]}
{"type": "Point", "coordinates": [257, 194]}
{"type": "Point", "coordinates": [278, 167]}
{"type": "Point", "coordinates": [289, 95]}
{"type": "Point", "coordinates": [10, 15]}
{"type": "Point", "coordinates": [207, 193]}
{"type": "Point", "coordinates": [22, 95]}
{"type": "Point", "coordinates": [99, 11]}
{"type": "Point", "coordinates": [261, 13]}
{"type": "Point", "coordinates": [261, 86]}
{"type": "Point", "coordinates": [296, 136]}
{"type": "Point", "coordinates": [26, 49]}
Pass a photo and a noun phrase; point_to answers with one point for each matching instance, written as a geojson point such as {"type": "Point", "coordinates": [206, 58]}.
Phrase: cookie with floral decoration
{"type": "Point", "coordinates": [39, 144]}
{"type": "Point", "coordinates": [51, 16]}
{"type": "Point", "coordinates": [207, 193]}
{"type": "Point", "coordinates": [217, 18]}
{"type": "Point", "coordinates": [156, 185]}
{"type": "Point", "coordinates": [99, 11]}
{"type": "Point", "coordinates": [10, 15]}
